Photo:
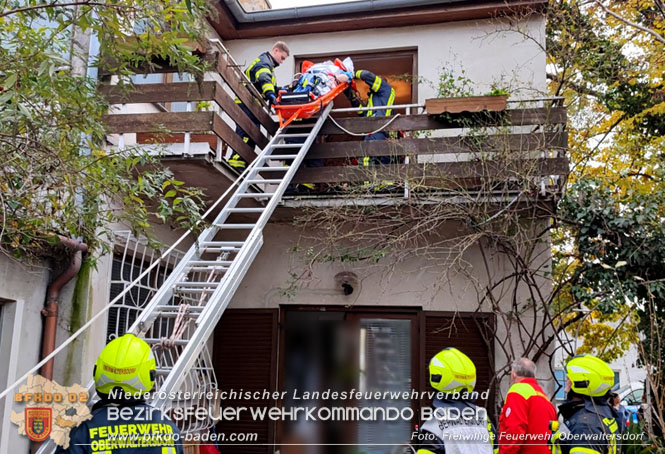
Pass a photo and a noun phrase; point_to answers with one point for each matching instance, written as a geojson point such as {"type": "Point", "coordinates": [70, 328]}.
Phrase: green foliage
{"type": "Point", "coordinates": [606, 59]}
{"type": "Point", "coordinates": [452, 86]}
{"type": "Point", "coordinates": [58, 176]}
{"type": "Point", "coordinates": [619, 245]}
{"type": "Point", "coordinates": [620, 241]}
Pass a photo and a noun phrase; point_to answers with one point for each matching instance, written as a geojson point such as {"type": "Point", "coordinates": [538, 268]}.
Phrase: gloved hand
{"type": "Point", "coordinates": [352, 96]}
{"type": "Point", "coordinates": [272, 99]}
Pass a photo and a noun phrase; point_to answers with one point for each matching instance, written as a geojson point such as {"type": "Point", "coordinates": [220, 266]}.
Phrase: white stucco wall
{"type": "Point", "coordinates": [24, 290]}
{"type": "Point", "coordinates": [22, 296]}
{"type": "Point", "coordinates": [432, 284]}
{"type": "Point", "coordinates": [487, 52]}
{"type": "Point", "coordinates": [478, 47]}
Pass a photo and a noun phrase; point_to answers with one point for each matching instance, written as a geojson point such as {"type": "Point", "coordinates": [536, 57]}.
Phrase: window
{"type": "Point", "coordinates": [399, 67]}
{"type": "Point", "coordinates": [560, 387]}
{"type": "Point", "coordinates": [342, 351]}
{"type": "Point", "coordinates": [139, 79]}
{"type": "Point", "coordinates": [634, 398]}
{"type": "Point", "coordinates": [384, 365]}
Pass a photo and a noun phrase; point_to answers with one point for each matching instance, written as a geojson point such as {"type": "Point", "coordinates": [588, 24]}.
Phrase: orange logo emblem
{"type": "Point", "coordinates": [38, 423]}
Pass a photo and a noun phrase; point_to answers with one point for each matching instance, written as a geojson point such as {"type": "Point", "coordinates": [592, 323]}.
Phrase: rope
{"type": "Point", "coordinates": [363, 134]}
{"type": "Point", "coordinates": [496, 215]}
{"type": "Point", "coordinates": [145, 272]}
{"type": "Point", "coordinates": [178, 327]}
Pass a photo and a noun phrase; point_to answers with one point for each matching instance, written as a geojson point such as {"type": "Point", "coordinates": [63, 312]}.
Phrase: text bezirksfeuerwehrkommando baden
{"type": "Point", "coordinates": [326, 395]}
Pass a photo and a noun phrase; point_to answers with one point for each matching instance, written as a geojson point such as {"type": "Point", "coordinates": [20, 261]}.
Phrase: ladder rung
{"type": "Point", "coordinates": [162, 371]}
{"type": "Point", "coordinates": [194, 290]}
{"type": "Point", "coordinates": [174, 308]}
{"type": "Point", "coordinates": [221, 246]}
{"type": "Point", "coordinates": [222, 243]}
{"type": "Point", "coordinates": [235, 226]}
{"type": "Point", "coordinates": [282, 156]}
{"type": "Point", "coordinates": [274, 181]}
{"type": "Point", "coordinates": [272, 169]}
{"type": "Point", "coordinates": [300, 125]}
{"type": "Point", "coordinates": [163, 315]}
{"type": "Point", "coordinates": [213, 263]}
{"type": "Point", "coordinates": [300, 134]}
{"type": "Point", "coordinates": [200, 268]}
{"type": "Point", "coordinates": [213, 249]}
{"type": "Point", "coordinates": [181, 285]}
{"type": "Point", "coordinates": [246, 210]}
{"type": "Point", "coordinates": [287, 145]}
{"type": "Point", "coordinates": [159, 341]}
{"type": "Point", "coordinates": [252, 195]}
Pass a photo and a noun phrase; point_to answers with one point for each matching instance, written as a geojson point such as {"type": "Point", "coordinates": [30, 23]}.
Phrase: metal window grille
{"type": "Point", "coordinates": [132, 256]}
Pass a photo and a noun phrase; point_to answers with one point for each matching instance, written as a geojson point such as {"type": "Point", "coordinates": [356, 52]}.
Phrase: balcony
{"type": "Point", "coordinates": [520, 150]}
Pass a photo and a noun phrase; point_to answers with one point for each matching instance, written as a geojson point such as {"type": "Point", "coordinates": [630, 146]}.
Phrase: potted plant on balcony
{"type": "Point", "coordinates": [455, 95]}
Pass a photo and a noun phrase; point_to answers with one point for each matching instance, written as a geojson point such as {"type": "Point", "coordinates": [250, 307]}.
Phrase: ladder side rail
{"type": "Point", "coordinates": [164, 294]}
{"type": "Point", "coordinates": [251, 173]}
{"type": "Point", "coordinates": [292, 169]}
{"type": "Point", "coordinates": [208, 320]}
{"type": "Point", "coordinates": [224, 293]}
{"type": "Point", "coordinates": [212, 312]}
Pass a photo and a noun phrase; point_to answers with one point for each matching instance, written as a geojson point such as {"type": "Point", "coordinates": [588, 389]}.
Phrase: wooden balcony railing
{"type": "Point", "coordinates": [219, 94]}
{"type": "Point", "coordinates": [491, 148]}
{"type": "Point", "coordinates": [479, 150]}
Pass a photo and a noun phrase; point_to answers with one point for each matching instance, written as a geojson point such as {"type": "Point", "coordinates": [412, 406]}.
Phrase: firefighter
{"type": "Point", "coordinates": [381, 93]}
{"type": "Point", "coordinates": [122, 422]}
{"type": "Point", "coordinates": [456, 423]}
{"type": "Point", "coordinates": [527, 417]}
{"type": "Point", "coordinates": [261, 74]}
{"type": "Point", "coordinates": [590, 421]}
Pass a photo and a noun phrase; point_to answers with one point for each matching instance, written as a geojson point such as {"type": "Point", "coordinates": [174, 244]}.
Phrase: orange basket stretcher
{"type": "Point", "coordinates": [290, 112]}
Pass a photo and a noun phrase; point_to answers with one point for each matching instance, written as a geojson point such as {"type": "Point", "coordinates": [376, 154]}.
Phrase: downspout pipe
{"type": "Point", "coordinates": [361, 6]}
{"type": "Point", "coordinates": [50, 310]}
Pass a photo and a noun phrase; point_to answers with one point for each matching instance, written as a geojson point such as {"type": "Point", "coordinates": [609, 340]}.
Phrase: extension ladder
{"type": "Point", "coordinates": [183, 313]}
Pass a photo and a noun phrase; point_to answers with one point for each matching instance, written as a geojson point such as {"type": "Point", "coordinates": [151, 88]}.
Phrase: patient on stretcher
{"type": "Point", "coordinates": [316, 80]}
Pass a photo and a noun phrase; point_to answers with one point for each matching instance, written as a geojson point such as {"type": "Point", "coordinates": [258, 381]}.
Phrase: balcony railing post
{"type": "Point", "coordinates": [188, 136]}
{"type": "Point", "coordinates": [121, 139]}
{"type": "Point", "coordinates": [218, 150]}
{"type": "Point", "coordinates": [406, 163]}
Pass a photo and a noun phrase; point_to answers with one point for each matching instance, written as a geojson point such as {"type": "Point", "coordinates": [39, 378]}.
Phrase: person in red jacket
{"type": "Point", "coordinates": [526, 421]}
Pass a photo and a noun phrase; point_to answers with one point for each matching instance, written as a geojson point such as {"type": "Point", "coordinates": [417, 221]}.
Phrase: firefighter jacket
{"type": "Point", "coordinates": [448, 431]}
{"type": "Point", "coordinates": [128, 428]}
{"type": "Point", "coordinates": [380, 93]}
{"type": "Point", "coordinates": [591, 427]}
{"type": "Point", "coordinates": [261, 74]}
{"type": "Point", "coordinates": [525, 424]}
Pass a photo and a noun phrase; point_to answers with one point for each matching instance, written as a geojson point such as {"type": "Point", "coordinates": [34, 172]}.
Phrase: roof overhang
{"type": "Point", "coordinates": [231, 22]}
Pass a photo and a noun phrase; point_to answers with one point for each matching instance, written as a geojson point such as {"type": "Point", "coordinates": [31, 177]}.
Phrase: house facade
{"type": "Point", "coordinates": [354, 321]}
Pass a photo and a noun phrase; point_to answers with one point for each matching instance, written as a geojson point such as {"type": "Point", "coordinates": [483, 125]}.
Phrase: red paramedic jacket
{"type": "Point", "coordinates": [524, 424]}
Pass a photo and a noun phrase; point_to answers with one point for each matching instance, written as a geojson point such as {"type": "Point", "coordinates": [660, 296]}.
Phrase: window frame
{"type": "Point", "coordinates": [385, 53]}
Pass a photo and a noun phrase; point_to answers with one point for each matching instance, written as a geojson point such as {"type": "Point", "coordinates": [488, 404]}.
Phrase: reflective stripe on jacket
{"type": "Point", "coordinates": [129, 429]}
{"type": "Point", "coordinates": [524, 424]}
{"type": "Point", "coordinates": [261, 74]}
{"type": "Point", "coordinates": [591, 427]}
{"type": "Point", "coordinates": [380, 93]}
